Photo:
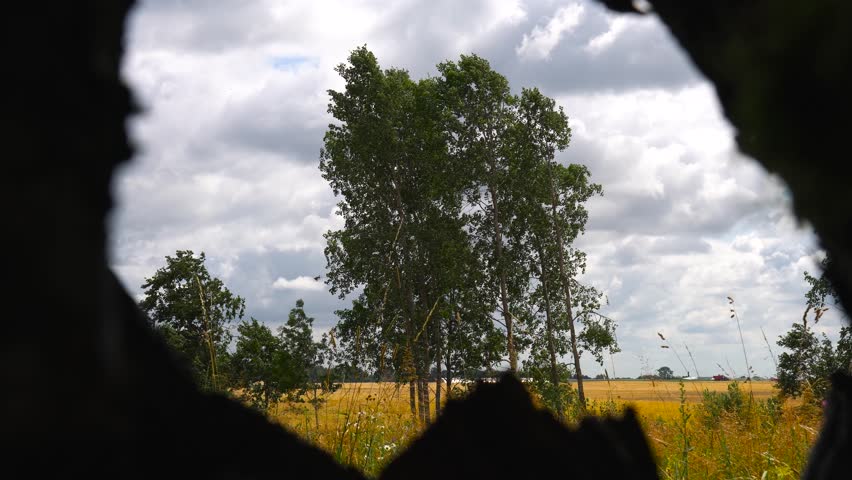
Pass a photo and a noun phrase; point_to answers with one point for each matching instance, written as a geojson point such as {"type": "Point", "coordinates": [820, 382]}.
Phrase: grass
{"type": "Point", "coordinates": [361, 424]}
{"type": "Point", "coordinates": [696, 429]}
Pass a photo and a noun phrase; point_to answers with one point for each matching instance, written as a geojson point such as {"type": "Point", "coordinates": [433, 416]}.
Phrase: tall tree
{"type": "Point", "coordinates": [385, 159]}
{"type": "Point", "coordinates": [192, 310]}
{"type": "Point", "coordinates": [260, 365]}
{"type": "Point", "coordinates": [451, 201]}
{"type": "Point", "coordinates": [307, 370]}
{"type": "Point", "coordinates": [554, 215]}
{"type": "Point", "coordinates": [321, 382]}
{"type": "Point", "coordinates": [298, 341]}
{"type": "Point", "coordinates": [481, 107]}
{"type": "Point", "coordinates": [362, 160]}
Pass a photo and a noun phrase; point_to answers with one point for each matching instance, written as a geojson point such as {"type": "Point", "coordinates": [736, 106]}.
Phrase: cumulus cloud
{"type": "Point", "coordinates": [541, 41]}
{"type": "Point", "coordinates": [603, 41]}
{"type": "Point", "coordinates": [298, 283]}
{"type": "Point", "coordinates": [235, 100]}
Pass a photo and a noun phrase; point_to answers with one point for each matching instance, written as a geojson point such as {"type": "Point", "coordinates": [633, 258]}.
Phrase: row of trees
{"type": "Point", "coordinates": [192, 311]}
{"type": "Point", "coordinates": [457, 245]}
{"type": "Point", "coordinates": [458, 230]}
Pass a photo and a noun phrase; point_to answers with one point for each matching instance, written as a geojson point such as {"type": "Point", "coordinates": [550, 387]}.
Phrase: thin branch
{"type": "Point", "coordinates": [427, 318]}
{"type": "Point", "coordinates": [208, 334]}
{"type": "Point", "coordinates": [771, 353]}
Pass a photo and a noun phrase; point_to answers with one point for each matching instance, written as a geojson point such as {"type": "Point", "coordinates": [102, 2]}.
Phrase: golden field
{"type": "Point", "coordinates": [746, 434]}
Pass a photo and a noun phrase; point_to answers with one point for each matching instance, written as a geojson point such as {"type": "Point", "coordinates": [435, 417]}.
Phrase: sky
{"type": "Point", "coordinates": [234, 107]}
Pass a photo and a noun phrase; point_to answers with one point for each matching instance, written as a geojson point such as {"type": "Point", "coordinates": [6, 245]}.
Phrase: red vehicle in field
{"type": "Point", "coordinates": [720, 378]}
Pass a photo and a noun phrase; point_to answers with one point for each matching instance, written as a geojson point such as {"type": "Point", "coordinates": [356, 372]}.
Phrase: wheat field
{"type": "Point", "coordinates": [744, 434]}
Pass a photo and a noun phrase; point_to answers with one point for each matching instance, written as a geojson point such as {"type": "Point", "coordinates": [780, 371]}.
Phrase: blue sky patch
{"type": "Point", "coordinates": [290, 62]}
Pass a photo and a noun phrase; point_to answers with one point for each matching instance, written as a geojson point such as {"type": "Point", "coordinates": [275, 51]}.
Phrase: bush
{"type": "Point", "coordinates": [718, 404]}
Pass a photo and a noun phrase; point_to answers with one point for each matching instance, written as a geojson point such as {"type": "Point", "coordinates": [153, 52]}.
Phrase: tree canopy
{"type": "Point", "coordinates": [192, 310]}
{"type": "Point", "coordinates": [809, 360]}
{"type": "Point", "coordinates": [457, 217]}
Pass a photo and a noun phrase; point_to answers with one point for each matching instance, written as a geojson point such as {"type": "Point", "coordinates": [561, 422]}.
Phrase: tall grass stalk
{"type": "Point", "coordinates": [769, 347]}
{"type": "Point", "coordinates": [716, 434]}
{"type": "Point", "coordinates": [742, 341]}
{"type": "Point", "coordinates": [684, 434]}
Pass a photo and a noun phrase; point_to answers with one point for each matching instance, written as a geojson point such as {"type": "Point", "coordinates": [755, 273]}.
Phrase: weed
{"type": "Point", "coordinates": [711, 431]}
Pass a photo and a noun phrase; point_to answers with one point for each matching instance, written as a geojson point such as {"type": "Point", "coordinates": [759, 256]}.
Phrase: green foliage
{"type": "Point", "coordinates": [735, 436]}
{"type": "Point", "coordinates": [191, 310]}
{"type": "Point", "coordinates": [821, 289]}
{"type": "Point", "coordinates": [404, 240]}
{"type": "Point", "coordinates": [291, 364]}
{"type": "Point", "coordinates": [297, 340]}
{"type": "Point", "coordinates": [665, 373]}
{"type": "Point", "coordinates": [681, 466]}
{"type": "Point", "coordinates": [717, 404]}
{"type": "Point", "coordinates": [304, 356]}
{"type": "Point", "coordinates": [556, 396]}
{"type": "Point", "coordinates": [550, 215]}
{"type": "Point", "coordinates": [262, 368]}
{"type": "Point", "coordinates": [311, 361]}
{"type": "Point", "coordinates": [809, 361]}
{"type": "Point", "coordinates": [481, 125]}
{"type": "Point", "coordinates": [843, 348]}
{"type": "Point", "coordinates": [456, 216]}
{"type": "Point", "coordinates": [770, 411]}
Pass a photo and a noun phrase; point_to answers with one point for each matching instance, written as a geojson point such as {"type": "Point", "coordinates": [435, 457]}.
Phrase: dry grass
{"type": "Point", "coordinates": [665, 390]}
{"type": "Point", "coordinates": [365, 424]}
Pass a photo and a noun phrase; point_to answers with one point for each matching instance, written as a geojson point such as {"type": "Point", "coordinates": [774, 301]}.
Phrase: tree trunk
{"type": "Point", "coordinates": [567, 288]}
{"type": "Point", "coordinates": [425, 370]}
{"type": "Point", "coordinates": [266, 399]}
{"type": "Point", "coordinates": [421, 364]}
{"type": "Point", "coordinates": [414, 356]}
{"type": "Point", "coordinates": [316, 409]}
{"type": "Point", "coordinates": [411, 401]}
{"type": "Point", "coordinates": [427, 409]}
{"type": "Point", "coordinates": [438, 380]}
{"type": "Point", "coordinates": [419, 386]}
{"type": "Point", "coordinates": [407, 298]}
{"type": "Point", "coordinates": [549, 331]}
{"type": "Point", "coordinates": [504, 300]}
{"type": "Point", "coordinates": [450, 331]}
{"type": "Point", "coordinates": [423, 397]}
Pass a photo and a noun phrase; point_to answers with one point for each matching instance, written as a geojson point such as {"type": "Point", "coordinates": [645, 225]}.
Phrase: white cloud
{"type": "Point", "coordinates": [603, 41]}
{"type": "Point", "coordinates": [538, 44]}
{"type": "Point", "coordinates": [298, 283]}
{"type": "Point", "coordinates": [230, 137]}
